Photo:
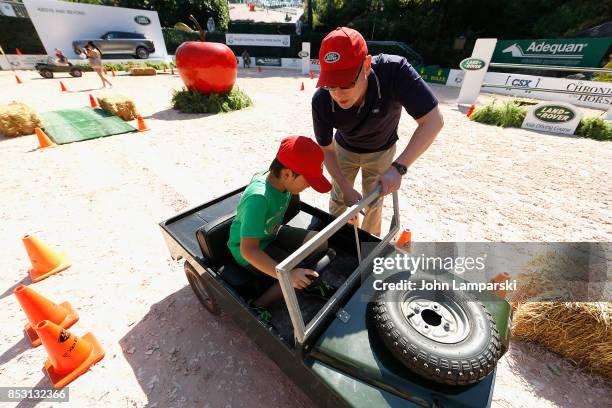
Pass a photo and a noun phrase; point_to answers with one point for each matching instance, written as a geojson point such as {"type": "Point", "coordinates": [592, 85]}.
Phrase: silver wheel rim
{"type": "Point", "coordinates": [445, 322]}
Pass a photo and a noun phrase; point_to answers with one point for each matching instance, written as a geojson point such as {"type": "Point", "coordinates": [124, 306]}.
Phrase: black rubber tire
{"type": "Point", "coordinates": [75, 72]}
{"type": "Point", "coordinates": [466, 361]}
{"type": "Point", "coordinates": [201, 288]}
{"type": "Point", "coordinates": [142, 53]}
{"type": "Point", "coordinates": [46, 73]}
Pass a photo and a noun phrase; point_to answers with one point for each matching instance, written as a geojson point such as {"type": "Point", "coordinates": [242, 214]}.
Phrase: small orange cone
{"type": "Point", "coordinates": [471, 110]}
{"type": "Point", "coordinates": [113, 71]}
{"type": "Point", "coordinates": [404, 240]}
{"type": "Point", "coordinates": [18, 80]}
{"type": "Point", "coordinates": [105, 71]}
{"type": "Point", "coordinates": [164, 68]}
{"type": "Point", "coordinates": [142, 126]}
{"type": "Point", "coordinates": [45, 261]}
{"type": "Point", "coordinates": [43, 140]}
{"type": "Point", "coordinates": [18, 51]}
{"type": "Point", "coordinates": [302, 87]}
{"type": "Point", "coordinates": [38, 308]}
{"type": "Point", "coordinates": [500, 278]}
{"type": "Point", "coordinates": [63, 87]}
{"type": "Point", "coordinates": [92, 102]}
{"type": "Point", "coordinates": [311, 74]}
{"type": "Point", "coordinates": [171, 71]}
{"type": "Point", "coordinates": [69, 356]}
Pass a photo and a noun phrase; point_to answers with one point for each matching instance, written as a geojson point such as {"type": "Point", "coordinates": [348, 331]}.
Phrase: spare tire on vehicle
{"type": "Point", "coordinates": [446, 336]}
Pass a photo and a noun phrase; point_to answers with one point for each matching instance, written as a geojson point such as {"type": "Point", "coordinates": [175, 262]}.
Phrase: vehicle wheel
{"type": "Point", "coordinates": [201, 288]}
{"type": "Point", "coordinates": [142, 53]}
{"type": "Point", "coordinates": [46, 73]}
{"type": "Point", "coordinates": [77, 73]}
{"type": "Point", "coordinates": [443, 335]}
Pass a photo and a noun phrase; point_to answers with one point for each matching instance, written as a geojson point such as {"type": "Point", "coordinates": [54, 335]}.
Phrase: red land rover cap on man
{"type": "Point", "coordinates": [341, 55]}
{"type": "Point", "coordinates": [302, 155]}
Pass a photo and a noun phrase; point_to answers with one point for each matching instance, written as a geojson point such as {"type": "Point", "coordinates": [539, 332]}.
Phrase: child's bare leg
{"type": "Point", "coordinates": [270, 296]}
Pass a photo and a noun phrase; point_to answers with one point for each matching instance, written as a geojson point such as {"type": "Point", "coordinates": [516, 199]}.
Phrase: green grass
{"type": "Point", "coordinates": [595, 128]}
{"type": "Point", "coordinates": [195, 102]}
{"type": "Point", "coordinates": [508, 114]}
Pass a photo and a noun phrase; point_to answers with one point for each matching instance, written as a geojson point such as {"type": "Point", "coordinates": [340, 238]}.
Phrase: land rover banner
{"type": "Point", "coordinates": [575, 52]}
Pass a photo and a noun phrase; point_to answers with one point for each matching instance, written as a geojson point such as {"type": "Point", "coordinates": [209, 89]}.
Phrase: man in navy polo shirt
{"type": "Point", "coordinates": [362, 98]}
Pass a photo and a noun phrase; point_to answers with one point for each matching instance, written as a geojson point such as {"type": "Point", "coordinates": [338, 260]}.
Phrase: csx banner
{"type": "Point", "coordinates": [575, 52]}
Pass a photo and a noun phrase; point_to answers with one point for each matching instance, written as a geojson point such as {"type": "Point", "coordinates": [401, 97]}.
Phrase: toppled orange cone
{"type": "Point", "coordinates": [45, 261]}
{"type": "Point", "coordinates": [405, 239]}
{"type": "Point", "coordinates": [69, 356]}
{"type": "Point", "coordinates": [18, 80]}
{"type": "Point", "coordinates": [43, 140]}
{"type": "Point", "coordinates": [63, 87]}
{"type": "Point", "coordinates": [38, 308]}
{"type": "Point", "coordinates": [470, 111]}
{"type": "Point", "coordinates": [92, 102]}
{"type": "Point", "coordinates": [500, 278]}
{"type": "Point", "coordinates": [142, 126]}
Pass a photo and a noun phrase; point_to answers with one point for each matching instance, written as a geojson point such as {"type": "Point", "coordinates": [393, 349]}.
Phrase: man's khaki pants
{"type": "Point", "coordinates": [371, 165]}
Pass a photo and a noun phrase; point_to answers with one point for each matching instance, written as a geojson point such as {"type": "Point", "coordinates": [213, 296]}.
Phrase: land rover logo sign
{"type": "Point", "coordinates": [142, 20]}
{"type": "Point", "coordinates": [557, 117]}
{"type": "Point", "coordinates": [554, 114]}
{"type": "Point", "coordinates": [331, 57]}
{"type": "Point", "coordinates": [472, 64]}
{"type": "Point", "coordinates": [303, 54]}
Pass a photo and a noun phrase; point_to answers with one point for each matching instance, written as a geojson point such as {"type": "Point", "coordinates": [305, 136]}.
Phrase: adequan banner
{"type": "Point", "coordinates": [575, 52]}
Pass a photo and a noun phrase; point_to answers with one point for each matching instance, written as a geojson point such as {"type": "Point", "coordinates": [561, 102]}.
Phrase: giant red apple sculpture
{"type": "Point", "coordinates": [206, 67]}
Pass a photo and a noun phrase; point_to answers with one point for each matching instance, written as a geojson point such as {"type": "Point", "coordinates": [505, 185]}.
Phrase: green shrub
{"type": "Point", "coordinates": [595, 128]}
{"type": "Point", "coordinates": [509, 114]}
{"type": "Point", "coordinates": [195, 102]}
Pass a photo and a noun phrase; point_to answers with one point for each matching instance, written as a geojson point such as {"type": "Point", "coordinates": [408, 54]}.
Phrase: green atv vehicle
{"type": "Point", "coordinates": [359, 347]}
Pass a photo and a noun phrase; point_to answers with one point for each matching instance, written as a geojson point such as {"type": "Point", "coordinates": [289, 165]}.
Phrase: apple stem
{"type": "Point", "coordinates": [201, 32]}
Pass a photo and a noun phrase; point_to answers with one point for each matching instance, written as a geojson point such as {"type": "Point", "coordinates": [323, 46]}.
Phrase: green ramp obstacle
{"type": "Point", "coordinates": [75, 125]}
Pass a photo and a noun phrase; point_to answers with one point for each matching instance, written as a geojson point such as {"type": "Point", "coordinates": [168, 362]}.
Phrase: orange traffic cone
{"type": "Point", "coordinates": [69, 356]}
{"type": "Point", "coordinates": [45, 261]}
{"type": "Point", "coordinates": [404, 240]}
{"type": "Point", "coordinates": [164, 69]}
{"type": "Point", "coordinates": [18, 80]}
{"type": "Point", "coordinates": [500, 278]}
{"type": "Point", "coordinates": [471, 110]}
{"type": "Point", "coordinates": [171, 71]}
{"type": "Point", "coordinates": [142, 126]}
{"type": "Point", "coordinates": [18, 51]}
{"type": "Point", "coordinates": [311, 74]}
{"type": "Point", "coordinates": [38, 308]}
{"type": "Point", "coordinates": [63, 87]}
{"type": "Point", "coordinates": [113, 71]}
{"type": "Point", "coordinates": [302, 87]}
{"type": "Point", "coordinates": [43, 140]}
{"type": "Point", "coordinates": [92, 102]}
{"type": "Point", "coordinates": [105, 71]}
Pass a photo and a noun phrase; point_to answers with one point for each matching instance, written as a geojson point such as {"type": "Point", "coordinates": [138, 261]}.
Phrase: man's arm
{"type": "Point", "coordinates": [428, 128]}
{"type": "Point", "coordinates": [349, 194]}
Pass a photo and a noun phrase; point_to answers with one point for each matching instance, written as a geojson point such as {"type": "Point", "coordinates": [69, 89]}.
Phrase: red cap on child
{"type": "Point", "coordinates": [303, 156]}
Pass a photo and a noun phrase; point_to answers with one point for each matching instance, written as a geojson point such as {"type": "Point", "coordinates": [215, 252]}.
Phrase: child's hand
{"type": "Point", "coordinates": [299, 277]}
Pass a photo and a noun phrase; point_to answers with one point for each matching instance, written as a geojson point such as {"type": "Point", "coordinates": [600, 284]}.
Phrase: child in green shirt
{"type": "Point", "coordinates": [257, 225]}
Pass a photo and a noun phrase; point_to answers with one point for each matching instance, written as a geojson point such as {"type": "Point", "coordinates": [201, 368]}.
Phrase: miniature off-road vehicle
{"type": "Point", "coordinates": [360, 347]}
{"type": "Point", "coordinates": [47, 69]}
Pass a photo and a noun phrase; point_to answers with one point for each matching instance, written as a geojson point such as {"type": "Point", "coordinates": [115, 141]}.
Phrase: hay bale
{"type": "Point", "coordinates": [143, 71]}
{"type": "Point", "coordinates": [18, 119]}
{"type": "Point", "coordinates": [119, 105]}
{"type": "Point", "coordinates": [579, 331]}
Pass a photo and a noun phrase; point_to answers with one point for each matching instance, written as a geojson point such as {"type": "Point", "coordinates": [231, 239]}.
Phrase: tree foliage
{"type": "Point", "coordinates": [431, 26]}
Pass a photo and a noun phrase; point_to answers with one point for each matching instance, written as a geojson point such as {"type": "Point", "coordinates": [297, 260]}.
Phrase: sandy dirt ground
{"type": "Point", "coordinates": [101, 201]}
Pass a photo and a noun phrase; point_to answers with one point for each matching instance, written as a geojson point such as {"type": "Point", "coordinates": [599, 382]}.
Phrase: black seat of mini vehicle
{"type": "Point", "coordinates": [212, 239]}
